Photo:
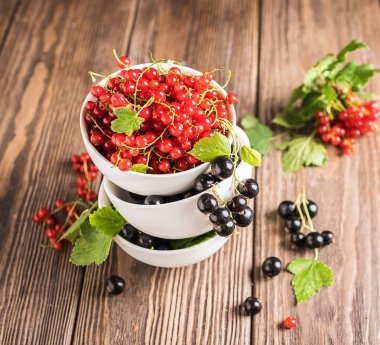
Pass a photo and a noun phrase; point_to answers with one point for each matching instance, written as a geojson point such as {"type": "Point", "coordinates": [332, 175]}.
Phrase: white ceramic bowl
{"type": "Point", "coordinates": [175, 220]}
{"type": "Point", "coordinates": [166, 258]}
{"type": "Point", "coordinates": [146, 184]}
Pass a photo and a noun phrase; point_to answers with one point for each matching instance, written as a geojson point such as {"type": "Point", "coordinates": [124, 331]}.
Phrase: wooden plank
{"type": "Point", "coordinates": [294, 35]}
{"type": "Point", "coordinates": [197, 304]}
{"type": "Point", "coordinates": [45, 60]}
{"type": "Point", "coordinates": [8, 11]}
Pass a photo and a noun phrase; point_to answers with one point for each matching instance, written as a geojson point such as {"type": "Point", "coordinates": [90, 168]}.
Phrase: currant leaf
{"type": "Point", "coordinates": [127, 120]}
{"type": "Point", "coordinates": [250, 156]}
{"type": "Point", "coordinates": [208, 149]}
{"type": "Point", "coordinates": [107, 221]}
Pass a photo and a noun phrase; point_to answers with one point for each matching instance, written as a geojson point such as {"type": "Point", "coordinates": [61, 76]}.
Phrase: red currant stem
{"type": "Point", "coordinates": [100, 128]}
{"type": "Point", "coordinates": [69, 214]}
{"type": "Point", "coordinates": [94, 74]}
{"type": "Point", "coordinates": [85, 169]}
{"type": "Point", "coordinates": [118, 59]}
{"type": "Point", "coordinates": [216, 193]}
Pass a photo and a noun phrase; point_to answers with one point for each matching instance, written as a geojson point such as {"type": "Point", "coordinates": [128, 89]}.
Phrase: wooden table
{"type": "Point", "coordinates": [46, 49]}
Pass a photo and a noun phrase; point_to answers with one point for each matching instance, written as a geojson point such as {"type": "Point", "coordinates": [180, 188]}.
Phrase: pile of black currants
{"type": "Point", "coordinates": [296, 215]}
{"type": "Point", "coordinates": [236, 211]}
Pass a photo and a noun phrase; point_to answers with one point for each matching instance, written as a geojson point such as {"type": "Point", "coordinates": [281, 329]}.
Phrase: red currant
{"type": "Point", "coordinates": [231, 98]}
{"type": "Point", "coordinates": [290, 322]}
{"type": "Point", "coordinates": [124, 62]}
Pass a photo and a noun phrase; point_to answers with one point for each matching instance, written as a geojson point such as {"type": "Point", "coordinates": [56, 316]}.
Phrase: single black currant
{"type": "Point", "coordinates": [293, 225]}
{"type": "Point", "coordinates": [204, 182]}
{"type": "Point", "coordinates": [220, 216]}
{"type": "Point", "coordinates": [226, 229]}
{"type": "Point", "coordinates": [129, 232]}
{"type": "Point", "coordinates": [163, 245]}
{"type": "Point", "coordinates": [137, 198]}
{"type": "Point", "coordinates": [207, 203]}
{"type": "Point", "coordinates": [328, 237]}
{"type": "Point", "coordinates": [243, 218]}
{"type": "Point", "coordinates": [237, 203]}
{"type": "Point", "coordinates": [249, 188]}
{"type": "Point", "coordinates": [311, 207]}
{"type": "Point", "coordinates": [252, 305]}
{"type": "Point", "coordinates": [153, 200]}
{"type": "Point", "coordinates": [222, 167]}
{"type": "Point", "coordinates": [297, 238]}
{"type": "Point", "coordinates": [314, 240]}
{"type": "Point", "coordinates": [145, 240]}
{"type": "Point", "coordinates": [287, 209]}
{"type": "Point", "coordinates": [115, 285]}
{"type": "Point", "coordinates": [271, 266]}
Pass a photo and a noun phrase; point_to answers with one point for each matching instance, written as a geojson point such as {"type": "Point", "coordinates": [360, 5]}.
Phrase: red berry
{"type": "Point", "coordinates": [124, 164]}
{"type": "Point", "coordinates": [43, 213]}
{"type": "Point", "coordinates": [165, 145]}
{"type": "Point", "coordinates": [290, 322]}
{"type": "Point", "coordinates": [118, 100]}
{"type": "Point", "coordinates": [124, 62]}
{"type": "Point", "coordinates": [141, 141]}
{"type": "Point", "coordinates": [57, 246]}
{"type": "Point", "coordinates": [36, 218]}
{"type": "Point", "coordinates": [81, 192]}
{"type": "Point", "coordinates": [59, 203]}
{"type": "Point", "coordinates": [91, 196]}
{"type": "Point", "coordinates": [81, 181]}
{"type": "Point", "coordinates": [96, 91]}
{"type": "Point", "coordinates": [51, 233]}
{"type": "Point", "coordinates": [326, 137]}
{"type": "Point", "coordinates": [50, 221]}
{"type": "Point", "coordinates": [91, 175]}
{"type": "Point", "coordinates": [324, 120]}
{"type": "Point", "coordinates": [164, 165]}
{"type": "Point", "coordinates": [231, 98]}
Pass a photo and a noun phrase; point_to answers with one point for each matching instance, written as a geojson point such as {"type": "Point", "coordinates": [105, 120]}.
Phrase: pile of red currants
{"type": "Point", "coordinates": [176, 111]}
{"type": "Point", "coordinates": [343, 129]}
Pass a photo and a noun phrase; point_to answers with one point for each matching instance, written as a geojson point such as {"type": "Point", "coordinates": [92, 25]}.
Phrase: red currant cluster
{"type": "Point", "coordinates": [177, 110]}
{"type": "Point", "coordinates": [343, 129]}
{"type": "Point", "coordinates": [87, 196]}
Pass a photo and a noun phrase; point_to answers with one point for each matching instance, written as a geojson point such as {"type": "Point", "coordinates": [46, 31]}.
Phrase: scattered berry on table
{"type": "Point", "coordinates": [293, 225]}
{"type": "Point", "coordinates": [313, 240]}
{"type": "Point", "coordinates": [328, 237]}
{"type": "Point", "coordinates": [287, 209]}
{"type": "Point", "coordinates": [115, 285]}
{"type": "Point", "coordinates": [290, 322]}
{"type": "Point", "coordinates": [252, 305]}
{"type": "Point", "coordinates": [311, 207]}
{"type": "Point", "coordinates": [297, 238]}
{"type": "Point", "coordinates": [271, 266]}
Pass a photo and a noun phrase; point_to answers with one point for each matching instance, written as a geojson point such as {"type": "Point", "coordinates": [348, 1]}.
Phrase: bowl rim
{"type": "Point", "coordinates": [85, 136]}
{"type": "Point", "coordinates": [107, 202]}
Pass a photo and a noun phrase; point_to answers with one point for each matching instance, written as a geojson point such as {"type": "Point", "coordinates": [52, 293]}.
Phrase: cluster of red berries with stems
{"type": "Point", "coordinates": [176, 111]}
{"type": "Point", "coordinates": [344, 127]}
{"type": "Point", "coordinates": [71, 209]}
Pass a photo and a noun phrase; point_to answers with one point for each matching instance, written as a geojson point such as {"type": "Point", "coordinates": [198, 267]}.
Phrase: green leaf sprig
{"type": "Point", "coordinates": [259, 134]}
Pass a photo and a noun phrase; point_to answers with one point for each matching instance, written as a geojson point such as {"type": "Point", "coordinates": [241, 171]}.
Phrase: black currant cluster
{"type": "Point", "coordinates": [236, 211]}
{"type": "Point", "coordinates": [293, 223]}
{"type": "Point", "coordinates": [131, 234]}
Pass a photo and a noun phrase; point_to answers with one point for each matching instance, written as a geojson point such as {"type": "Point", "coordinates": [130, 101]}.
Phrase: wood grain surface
{"type": "Point", "coordinates": [46, 49]}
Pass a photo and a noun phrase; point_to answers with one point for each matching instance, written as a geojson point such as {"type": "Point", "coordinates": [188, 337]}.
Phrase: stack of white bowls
{"type": "Point", "coordinates": [174, 220]}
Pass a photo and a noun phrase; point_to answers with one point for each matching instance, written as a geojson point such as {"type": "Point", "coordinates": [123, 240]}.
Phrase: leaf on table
{"type": "Point", "coordinates": [107, 220]}
{"type": "Point", "coordinates": [208, 149]}
{"type": "Point", "coordinates": [127, 120]}
{"type": "Point", "coordinates": [310, 276]}
{"type": "Point", "coordinates": [91, 247]}
{"type": "Point", "coordinates": [302, 151]}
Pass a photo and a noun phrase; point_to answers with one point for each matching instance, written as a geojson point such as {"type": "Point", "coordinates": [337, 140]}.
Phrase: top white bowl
{"type": "Point", "coordinates": [147, 184]}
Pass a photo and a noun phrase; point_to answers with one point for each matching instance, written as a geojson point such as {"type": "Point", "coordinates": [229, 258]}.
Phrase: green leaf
{"type": "Point", "coordinates": [192, 241]}
{"type": "Point", "coordinates": [107, 220]}
{"type": "Point", "coordinates": [249, 121]}
{"type": "Point", "coordinates": [73, 231]}
{"type": "Point", "coordinates": [350, 47]}
{"type": "Point", "coordinates": [355, 75]}
{"type": "Point", "coordinates": [127, 120]}
{"type": "Point", "coordinates": [302, 151]}
{"type": "Point", "coordinates": [260, 138]}
{"type": "Point", "coordinates": [330, 94]}
{"type": "Point", "coordinates": [318, 70]}
{"type": "Point", "coordinates": [141, 168]}
{"type": "Point", "coordinates": [91, 247]}
{"type": "Point", "coordinates": [208, 149]}
{"type": "Point", "coordinates": [287, 120]}
{"type": "Point", "coordinates": [250, 156]}
{"type": "Point", "coordinates": [310, 276]}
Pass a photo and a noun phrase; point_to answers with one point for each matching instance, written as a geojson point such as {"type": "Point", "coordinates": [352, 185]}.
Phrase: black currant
{"type": "Point", "coordinates": [137, 198]}
{"type": "Point", "coordinates": [237, 203]}
{"type": "Point", "coordinates": [249, 188]}
{"type": "Point", "coordinates": [129, 232]}
{"type": "Point", "coordinates": [226, 229]}
{"type": "Point", "coordinates": [252, 305]}
{"type": "Point", "coordinates": [145, 240]}
{"type": "Point", "coordinates": [220, 216]}
{"type": "Point", "coordinates": [115, 285]}
{"type": "Point", "coordinates": [328, 237]}
{"type": "Point", "coordinates": [298, 238]}
{"type": "Point", "coordinates": [293, 225]}
{"type": "Point", "coordinates": [314, 240]}
{"type": "Point", "coordinates": [204, 182]}
{"type": "Point", "coordinates": [163, 245]}
{"type": "Point", "coordinates": [287, 209]}
{"type": "Point", "coordinates": [271, 266]}
{"type": "Point", "coordinates": [153, 200]}
{"type": "Point", "coordinates": [243, 218]}
{"type": "Point", "coordinates": [222, 167]}
{"type": "Point", "coordinates": [207, 203]}
{"type": "Point", "coordinates": [311, 207]}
